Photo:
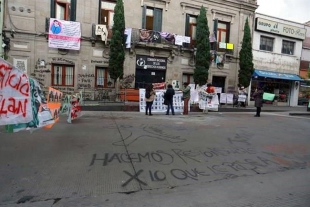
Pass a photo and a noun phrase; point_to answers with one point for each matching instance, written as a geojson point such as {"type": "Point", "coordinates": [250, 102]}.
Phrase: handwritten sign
{"type": "Point", "coordinates": [15, 99]}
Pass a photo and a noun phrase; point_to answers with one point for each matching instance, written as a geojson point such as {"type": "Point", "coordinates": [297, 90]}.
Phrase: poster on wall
{"type": "Point", "coordinates": [15, 97]}
{"type": "Point", "coordinates": [64, 34]}
{"type": "Point", "coordinates": [158, 105]}
{"type": "Point", "coordinates": [41, 113]}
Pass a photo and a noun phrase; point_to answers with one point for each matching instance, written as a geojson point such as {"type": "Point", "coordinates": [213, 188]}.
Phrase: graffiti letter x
{"type": "Point", "coordinates": [133, 177]}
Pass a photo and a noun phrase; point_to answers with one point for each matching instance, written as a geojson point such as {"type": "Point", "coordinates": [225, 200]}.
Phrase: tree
{"type": "Point", "coordinates": [117, 45]}
{"type": "Point", "coordinates": [246, 57]}
{"type": "Point", "coordinates": [203, 49]}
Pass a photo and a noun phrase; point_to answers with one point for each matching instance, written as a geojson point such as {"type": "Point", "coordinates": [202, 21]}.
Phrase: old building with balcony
{"type": "Point", "coordinates": [161, 47]}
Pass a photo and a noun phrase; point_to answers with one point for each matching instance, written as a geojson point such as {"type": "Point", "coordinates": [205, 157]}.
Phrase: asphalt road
{"type": "Point", "coordinates": [129, 159]}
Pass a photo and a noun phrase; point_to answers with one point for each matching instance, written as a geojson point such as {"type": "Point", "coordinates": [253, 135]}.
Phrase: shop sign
{"type": "Point", "coordinates": [280, 29]}
{"type": "Point", "coordinates": [153, 63]}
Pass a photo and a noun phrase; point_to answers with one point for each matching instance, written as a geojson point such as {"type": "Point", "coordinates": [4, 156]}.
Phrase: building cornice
{"type": "Point", "coordinates": [166, 2]}
{"type": "Point", "coordinates": [238, 4]}
{"type": "Point", "coordinates": [185, 5]}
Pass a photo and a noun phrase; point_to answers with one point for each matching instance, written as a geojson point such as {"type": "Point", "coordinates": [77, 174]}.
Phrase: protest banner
{"type": "Point", "coordinates": [54, 103]}
{"type": "Point", "coordinates": [158, 105]}
{"type": "Point", "coordinates": [71, 106]}
{"type": "Point", "coordinates": [64, 34]}
{"type": "Point", "coordinates": [41, 113]}
{"type": "Point", "coordinates": [15, 100]}
{"type": "Point", "coordinates": [208, 101]}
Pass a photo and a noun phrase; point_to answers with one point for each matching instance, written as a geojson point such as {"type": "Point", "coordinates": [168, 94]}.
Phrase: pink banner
{"type": "Point", "coordinates": [64, 34]}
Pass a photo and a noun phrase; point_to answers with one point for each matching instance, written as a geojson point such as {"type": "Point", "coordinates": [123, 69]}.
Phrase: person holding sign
{"type": "Point", "coordinates": [149, 99]}
{"type": "Point", "coordinates": [258, 98]}
{"type": "Point", "coordinates": [186, 96]}
{"type": "Point", "coordinates": [210, 88]}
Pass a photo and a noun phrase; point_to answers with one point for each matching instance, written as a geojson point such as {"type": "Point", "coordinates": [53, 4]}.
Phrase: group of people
{"type": "Point", "coordinates": [168, 97]}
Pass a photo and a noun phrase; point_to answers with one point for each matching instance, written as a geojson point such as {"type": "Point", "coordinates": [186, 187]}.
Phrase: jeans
{"type": "Point", "coordinates": [170, 105]}
{"type": "Point", "coordinates": [185, 111]}
{"type": "Point", "coordinates": [148, 107]}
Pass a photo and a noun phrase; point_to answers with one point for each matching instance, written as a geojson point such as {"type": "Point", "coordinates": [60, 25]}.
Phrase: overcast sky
{"type": "Point", "coordinates": [294, 10]}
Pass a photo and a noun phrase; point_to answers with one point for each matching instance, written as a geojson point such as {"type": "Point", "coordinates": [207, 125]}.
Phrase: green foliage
{"type": "Point", "coordinates": [203, 49]}
{"type": "Point", "coordinates": [246, 57]}
{"type": "Point", "coordinates": [117, 45]}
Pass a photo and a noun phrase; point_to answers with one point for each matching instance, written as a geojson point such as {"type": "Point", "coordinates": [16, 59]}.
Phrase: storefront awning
{"type": "Point", "coordinates": [276, 75]}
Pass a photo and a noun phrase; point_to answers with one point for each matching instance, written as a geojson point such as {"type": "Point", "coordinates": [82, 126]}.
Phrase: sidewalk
{"type": "Point", "coordinates": [134, 106]}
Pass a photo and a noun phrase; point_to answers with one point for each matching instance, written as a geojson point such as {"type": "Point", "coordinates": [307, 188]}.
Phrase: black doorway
{"type": "Point", "coordinates": [146, 77]}
{"type": "Point", "coordinates": [219, 81]}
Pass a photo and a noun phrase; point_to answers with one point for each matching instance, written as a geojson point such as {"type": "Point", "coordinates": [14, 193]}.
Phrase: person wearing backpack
{"type": "Point", "coordinates": [169, 99]}
{"type": "Point", "coordinates": [149, 98]}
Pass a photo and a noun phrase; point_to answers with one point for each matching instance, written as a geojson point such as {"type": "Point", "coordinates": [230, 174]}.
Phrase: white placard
{"type": "Point", "coordinates": [223, 98]}
{"type": "Point", "coordinates": [241, 98]}
{"type": "Point", "coordinates": [218, 89]}
{"type": "Point", "coordinates": [230, 98]}
{"type": "Point", "coordinates": [20, 64]}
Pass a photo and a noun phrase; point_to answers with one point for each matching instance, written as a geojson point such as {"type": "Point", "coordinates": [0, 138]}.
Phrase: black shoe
{"type": "Point", "coordinates": [167, 114]}
{"type": "Point", "coordinates": [146, 114]}
{"type": "Point", "coordinates": [256, 116]}
{"type": "Point", "coordinates": [172, 114]}
{"type": "Point", "coordinates": [151, 114]}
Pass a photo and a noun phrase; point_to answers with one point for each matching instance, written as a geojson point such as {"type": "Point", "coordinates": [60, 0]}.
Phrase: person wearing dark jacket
{"type": "Point", "coordinates": [258, 98]}
{"type": "Point", "coordinates": [169, 99]}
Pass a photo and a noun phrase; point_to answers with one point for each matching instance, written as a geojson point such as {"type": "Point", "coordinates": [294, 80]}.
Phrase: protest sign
{"type": "Point", "coordinates": [54, 104]}
{"type": "Point", "coordinates": [15, 101]}
{"type": "Point", "coordinates": [268, 96]}
{"type": "Point", "coordinates": [41, 113]}
{"type": "Point", "coordinates": [71, 105]}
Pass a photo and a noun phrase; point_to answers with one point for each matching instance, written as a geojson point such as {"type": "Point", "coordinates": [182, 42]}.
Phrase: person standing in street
{"type": "Point", "coordinates": [258, 98]}
{"type": "Point", "coordinates": [149, 99]}
{"type": "Point", "coordinates": [169, 99]}
{"type": "Point", "coordinates": [186, 97]}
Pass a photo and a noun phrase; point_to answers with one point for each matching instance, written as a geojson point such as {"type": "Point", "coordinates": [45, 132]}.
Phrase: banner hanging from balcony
{"type": "Point", "coordinates": [156, 37]}
{"type": "Point", "coordinates": [64, 34]}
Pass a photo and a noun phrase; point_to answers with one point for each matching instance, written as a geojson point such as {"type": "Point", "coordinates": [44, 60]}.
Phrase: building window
{"type": "Point", "coordinates": [63, 75]}
{"type": "Point", "coordinates": [266, 43]}
{"type": "Point", "coordinates": [103, 79]}
{"type": "Point", "coordinates": [63, 9]}
{"type": "Point", "coordinates": [191, 28]}
{"type": "Point", "coordinates": [107, 13]}
{"type": "Point", "coordinates": [288, 47]}
{"type": "Point", "coordinates": [189, 78]}
{"type": "Point", "coordinates": [223, 29]}
{"type": "Point", "coordinates": [152, 18]}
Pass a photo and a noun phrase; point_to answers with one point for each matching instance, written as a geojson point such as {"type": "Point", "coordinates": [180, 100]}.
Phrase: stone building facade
{"type": "Point", "coordinates": [26, 25]}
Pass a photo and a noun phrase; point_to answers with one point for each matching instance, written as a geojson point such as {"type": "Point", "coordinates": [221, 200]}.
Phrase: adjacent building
{"type": "Point", "coordinates": [277, 51]}
{"type": "Point", "coordinates": [161, 47]}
